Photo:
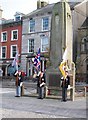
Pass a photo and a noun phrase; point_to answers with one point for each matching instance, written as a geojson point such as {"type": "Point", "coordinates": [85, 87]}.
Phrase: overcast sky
{"type": "Point", "coordinates": [9, 7]}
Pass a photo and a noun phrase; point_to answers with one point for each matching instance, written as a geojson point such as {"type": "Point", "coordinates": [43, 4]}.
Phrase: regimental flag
{"type": "Point", "coordinates": [63, 66]}
{"type": "Point", "coordinates": [65, 55]}
{"type": "Point", "coordinates": [37, 60]}
{"type": "Point", "coordinates": [15, 62]}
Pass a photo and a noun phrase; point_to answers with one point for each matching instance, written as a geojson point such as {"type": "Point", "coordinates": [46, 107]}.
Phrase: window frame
{"type": "Point", "coordinates": [44, 28]}
{"type": "Point", "coordinates": [32, 29]}
{"type": "Point", "coordinates": [5, 52]}
{"type": "Point", "coordinates": [46, 45]}
{"type": "Point", "coordinates": [87, 43]}
{"type": "Point", "coordinates": [83, 44]}
{"type": "Point", "coordinates": [12, 39]}
{"type": "Point", "coordinates": [17, 18]}
{"type": "Point", "coordinates": [2, 36]}
{"type": "Point", "coordinates": [11, 53]}
{"type": "Point", "coordinates": [32, 49]}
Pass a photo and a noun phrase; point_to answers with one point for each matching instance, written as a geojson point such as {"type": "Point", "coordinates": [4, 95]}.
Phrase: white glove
{"type": "Point", "coordinates": [62, 78]}
{"type": "Point", "coordinates": [16, 73]}
{"type": "Point", "coordinates": [42, 84]}
{"type": "Point", "coordinates": [21, 83]}
{"type": "Point", "coordinates": [68, 87]}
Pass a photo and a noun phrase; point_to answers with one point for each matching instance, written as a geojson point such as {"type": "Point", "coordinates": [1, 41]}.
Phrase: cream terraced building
{"type": "Point", "coordinates": [36, 34]}
{"type": "Point", "coordinates": [36, 29]}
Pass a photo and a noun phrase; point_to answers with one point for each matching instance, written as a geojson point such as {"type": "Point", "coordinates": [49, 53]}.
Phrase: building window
{"type": "Point", "coordinates": [83, 44]}
{"type": "Point", "coordinates": [14, 35]}
{"type": "Point", "coordinates": [3, 51]}
{"type": "Point", "coordinates": [17, 18]}
{"type": "Point", "coordinates": [44, 44]}
{"type": "Point", "coordinates": [31, 45]}
{"type": "Point", "coordinates": [4, 36]}
{"type": "Point", "coordinates": [13, 50]}
{"type": "Point", "coordinates": [87, 43]}
{"type": "Point", "coordinates": [87, 68]}
{"type": "Point", "coordinates": [45, 23]}
{"type": "Point", "coordinates": [32, 25]}
{"type": "Point", "coordinates": [82, 47]}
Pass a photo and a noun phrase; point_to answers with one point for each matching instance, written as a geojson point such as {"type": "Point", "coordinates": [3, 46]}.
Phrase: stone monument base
{"type": "Point", "coordinates": [53, 77]}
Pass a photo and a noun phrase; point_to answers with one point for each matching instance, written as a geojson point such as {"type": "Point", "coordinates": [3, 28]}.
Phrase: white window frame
{"type": "Point", "coordinates": [46, 44]}
{"type": "Point", "coordinates": [12, 51]}
{"type": "Point", "coordinates": [33, 27]}
{"type": "Point", "coordinates": [42, 24]}
{"type": "Point", "coordinates": [28, 45]}
{"type": "Point", "coordinates": [12, 35]}
{"type": "Point", "coordinates": [2, 36]}
{"type": "Point", "coordinates": [5, 52]}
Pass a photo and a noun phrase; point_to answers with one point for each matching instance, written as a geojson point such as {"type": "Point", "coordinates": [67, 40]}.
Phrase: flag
{"type": "Point", "coordinates": [37, 60]}
{"type": "Point", "coordinates": [65, 55]}
{"type": "Point", "coordinates": [63, 66]}
{"type": "Point", "coordinates": [15, 62]}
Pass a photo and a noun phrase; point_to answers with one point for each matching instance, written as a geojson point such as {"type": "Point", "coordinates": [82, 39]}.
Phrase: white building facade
{"type": "Point", "coordinates": [35, 35]}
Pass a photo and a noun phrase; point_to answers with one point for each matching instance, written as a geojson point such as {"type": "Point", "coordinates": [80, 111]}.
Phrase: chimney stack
{"type": "Point", "coordinates": [1, 12]}
{"type": "Point", "coordinates": [41, 4]}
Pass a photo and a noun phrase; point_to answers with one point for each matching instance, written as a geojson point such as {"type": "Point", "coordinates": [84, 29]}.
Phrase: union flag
{"type": "Point", "coordinates": [37, 60]}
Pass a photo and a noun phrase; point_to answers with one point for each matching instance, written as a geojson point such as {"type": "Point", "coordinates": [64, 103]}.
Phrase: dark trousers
{"type": "Point", "coordinates": [64, 93]}
{"type": "Point", "coordinates": [41, 92]}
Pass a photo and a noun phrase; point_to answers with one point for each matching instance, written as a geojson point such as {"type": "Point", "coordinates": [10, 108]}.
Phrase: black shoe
{"type": "Point", "coordinates": [40, 98]}
{"type": "Point", "coordinates": [17, 96]}
{"type": "Point", "coordinates": [63, 100]}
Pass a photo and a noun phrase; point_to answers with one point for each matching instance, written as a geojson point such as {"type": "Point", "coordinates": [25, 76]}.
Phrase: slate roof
{"type": "Point", "coordinates": [48, 8]}
{"type": "Point", "coordinates": [85, 24]}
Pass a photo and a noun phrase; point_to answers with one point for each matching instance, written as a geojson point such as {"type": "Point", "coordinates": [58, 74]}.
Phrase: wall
{"type": "Point", "coordinates": [36, 36]}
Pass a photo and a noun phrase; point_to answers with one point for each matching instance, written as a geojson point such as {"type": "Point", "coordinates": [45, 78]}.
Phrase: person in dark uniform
{"type": "Point", "coordinates": [65, 82]}
{"type": "Point", "coordinates": [40, 84]}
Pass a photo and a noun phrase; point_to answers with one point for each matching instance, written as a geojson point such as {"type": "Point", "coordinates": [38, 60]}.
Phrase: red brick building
{"type": "Point", "coordinates": [10, 42]}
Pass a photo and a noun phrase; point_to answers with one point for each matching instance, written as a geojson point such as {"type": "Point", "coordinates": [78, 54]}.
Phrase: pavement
{"type": "Point", "coordinates": [31, 107]}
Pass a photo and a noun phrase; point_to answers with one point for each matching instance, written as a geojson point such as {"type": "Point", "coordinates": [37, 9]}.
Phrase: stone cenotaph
{"type": "Point", "coordinates": [60, 39]}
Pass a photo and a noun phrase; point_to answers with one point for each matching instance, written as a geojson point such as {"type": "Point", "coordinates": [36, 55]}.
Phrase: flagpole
{"type": "Point", "coordinates": [15, 63]}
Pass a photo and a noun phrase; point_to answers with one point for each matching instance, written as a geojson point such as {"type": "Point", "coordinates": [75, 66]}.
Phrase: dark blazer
{"type": "Point", "coordinates": [40, 80]}
{"type": "Point", "coordinates": [19, 79]}
{"type": "Point", "coordinates": [65, 82]}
